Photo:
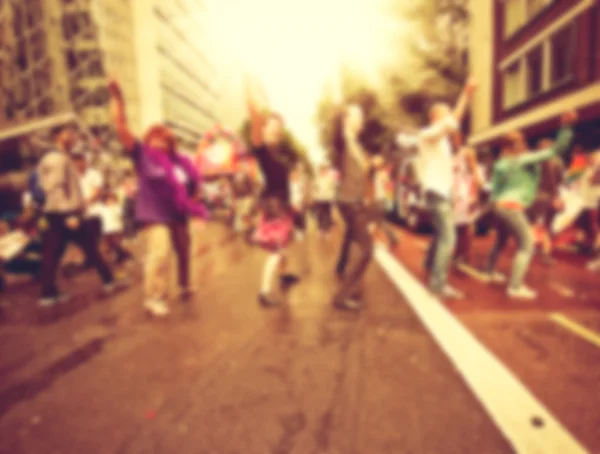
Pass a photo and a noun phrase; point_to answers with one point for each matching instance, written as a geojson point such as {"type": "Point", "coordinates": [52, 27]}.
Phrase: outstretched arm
{"type": "Point", "coordinates": [452, 122]}
{"type": "Point", "coordinates": [561, 144]}
{"type": "Point", "coordinates": [117, 109]}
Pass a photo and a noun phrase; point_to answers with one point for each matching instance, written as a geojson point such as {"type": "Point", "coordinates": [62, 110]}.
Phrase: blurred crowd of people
{"type": "Point", "coordinates": [541, 197]}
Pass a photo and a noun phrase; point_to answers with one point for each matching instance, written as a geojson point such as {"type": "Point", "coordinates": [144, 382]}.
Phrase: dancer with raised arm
{"type": "Point", "coordinates": [167, 184]}
{"type": "Point", "coordinates": [355, 166]}
{"type": "Point", "coordinates": [436, 164]}
{"type": "Point", "coordinates": [64, 213]}
{"type": "Point", "coordinates": [275, 229]}
{"type": "Point", "coordinates": [515, 182]}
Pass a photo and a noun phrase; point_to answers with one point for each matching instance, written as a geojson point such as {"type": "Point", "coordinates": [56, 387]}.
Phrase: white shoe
{"type": "Point", "coordinates": [452, 293]}
{"type": "Point", "coordinates": [496, 278]}
{"type": "Point", "coordinates": [522, 292]}
{"type": "Point", "coordinates": [157, 308]}
{"type": "Point", "coordinates": [594, 265]}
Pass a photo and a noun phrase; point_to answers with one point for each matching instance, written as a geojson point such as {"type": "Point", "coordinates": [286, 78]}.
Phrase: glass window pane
{"type": "Point", "coordinates": [512, 85]}
{"type": "Point", "coordinates": [534, 72]}
{"type": "Point", "coordinates": [563, 48]}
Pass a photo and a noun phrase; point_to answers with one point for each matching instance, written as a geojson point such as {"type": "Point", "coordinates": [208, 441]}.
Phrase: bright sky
{"type": "Point", "coordinates": [295, 46]}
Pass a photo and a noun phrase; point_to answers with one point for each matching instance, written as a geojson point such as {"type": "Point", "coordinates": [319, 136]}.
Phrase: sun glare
{"type": "Point", "coordinates": [296, 47]}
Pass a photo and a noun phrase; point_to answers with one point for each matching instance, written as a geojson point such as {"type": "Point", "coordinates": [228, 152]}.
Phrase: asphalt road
{"type": "Point", "coordinates": [552, 344]}
{"type": "Point", "coordinates": [224, 375]}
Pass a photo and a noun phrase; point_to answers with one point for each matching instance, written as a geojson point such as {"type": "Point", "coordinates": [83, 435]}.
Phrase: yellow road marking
{"type": "Point", "coordinates": [581, 331]}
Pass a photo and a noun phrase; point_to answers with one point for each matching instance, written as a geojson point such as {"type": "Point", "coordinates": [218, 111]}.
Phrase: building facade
{"type": "Point", "coordinates": [55, 56]}
{"type": "Point", "coordinates": [535, 59]}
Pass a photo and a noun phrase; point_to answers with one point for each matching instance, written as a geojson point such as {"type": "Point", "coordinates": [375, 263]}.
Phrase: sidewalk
{"type": "Point", "coordinates": [225, 376]}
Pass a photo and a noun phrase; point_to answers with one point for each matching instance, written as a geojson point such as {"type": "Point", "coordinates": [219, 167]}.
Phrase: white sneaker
{"type": "Point", "coordinates": [496, 278]}
{"type": "Point", "coordinates": [452, 293]}
{"type": "Point", "coordinates": [522, 292]}
{"type": "Point", "coordinates": [594, 265]}
{"type": "Point", "coordinates": [157, 308]}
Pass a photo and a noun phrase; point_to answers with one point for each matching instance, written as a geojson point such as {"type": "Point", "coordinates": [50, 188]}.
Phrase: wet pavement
{"type": "Point", "coordinates": [224, 375]}
{"type": "Point", "coordinates": [560, 366]}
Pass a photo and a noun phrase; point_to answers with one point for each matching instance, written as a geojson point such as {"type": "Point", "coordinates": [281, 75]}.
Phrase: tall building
{"type": "Point", "coordinates": [55, 56]}
{"type": "Point", "coordinates": [535, 59]}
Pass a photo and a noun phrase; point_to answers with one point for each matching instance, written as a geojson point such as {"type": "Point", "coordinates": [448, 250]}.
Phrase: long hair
{"type": "Point", "coordinates": [338, 139]}
{"type": "Point", "coordinates": [164, 133]}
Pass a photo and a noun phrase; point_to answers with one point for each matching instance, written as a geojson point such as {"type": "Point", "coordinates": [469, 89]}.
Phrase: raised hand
{"type": "Point", "coordinates": [471, 85]}
{"type": "Point", "coordinates": [569, 118]}
{"type": "Point", "coordinates": [113, 87]}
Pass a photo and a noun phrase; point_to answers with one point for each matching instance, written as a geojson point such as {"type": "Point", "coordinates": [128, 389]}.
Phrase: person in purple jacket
{"type": "Point", "coordinates": [167, 184]}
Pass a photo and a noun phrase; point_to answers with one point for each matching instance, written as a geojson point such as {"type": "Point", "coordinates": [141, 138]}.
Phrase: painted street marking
{"type": "Point", "coordinates": [524, 421]}
{"type": "Point", "coordinates": [575, 328]}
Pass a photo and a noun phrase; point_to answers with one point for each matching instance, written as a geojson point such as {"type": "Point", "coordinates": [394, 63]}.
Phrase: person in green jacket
{"type": "Point", "coordinates": [515, 182]}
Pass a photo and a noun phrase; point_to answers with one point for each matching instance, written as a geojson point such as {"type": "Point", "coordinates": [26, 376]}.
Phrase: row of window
{"type": "Point", "coordinates": [169, 91]}
{"type": "Point", "coordinates": [28, 86]}
{"type": "Point", "coordinates": [181, 37]}
{"type": "Point", "coordinates": [29, 51]}
{"type": "Point", "coordinates": [518, 13]}
{"type": "Point", "coordinates": [32, 109]}
{"type": "Point", "coordinates": [76, 24]}
{"type": "Point", "coordinates": [542, 69]}
{"type": "Point", "coordinates": [175, 68]}
{"type": "Point", "coordinates": [108, 12]}
{"type": "Point", "coordinates": [27, 15]}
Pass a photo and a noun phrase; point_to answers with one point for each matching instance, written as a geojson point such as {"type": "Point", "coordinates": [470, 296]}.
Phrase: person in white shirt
{"type": "Point", "coordinates": [436, 159]}
{"type": "Point", "coordinates": [299, 199]}
{"type": "Point", "coordinates": [91, 182]}
{"type": "Point", "coordinates": [324, 189]}
{"type": "Point", "coordinates": [113, 227]}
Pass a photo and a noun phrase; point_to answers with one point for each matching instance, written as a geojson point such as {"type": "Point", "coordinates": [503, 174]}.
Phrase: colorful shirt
{"type": "Point", "coordinates": [515, 179]}
{"type": "Point", "coordinates": [163, 195]}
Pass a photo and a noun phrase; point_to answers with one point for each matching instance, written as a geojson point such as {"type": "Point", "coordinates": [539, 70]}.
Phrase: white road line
{"type": "Point", "coordinates": [508, 402]}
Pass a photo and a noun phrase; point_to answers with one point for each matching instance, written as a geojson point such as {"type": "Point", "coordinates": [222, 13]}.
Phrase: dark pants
{"type": "Point", "coordinates": [94, 226]}
{"type": "Point", "coordinates": [357, 218]}
{"type": "Point", "coordinates": [114, 242]}
{"type": "Point", "coordinates": [464, 237]}
{"type": "Point", "coordinates": [129, 217]}
{"type": "Point", "coordinates": [180, 237]}
{"type": "Point", "coordinates": [54, 241]}
{"type": "Point", "coordinates": [379, 217]}
{"type": "Point", "coordinates": [323, 215]}
{"type": "Point", "coordinates": [300, 221]}
{"type": "Point", "coordinates": [439, 254]}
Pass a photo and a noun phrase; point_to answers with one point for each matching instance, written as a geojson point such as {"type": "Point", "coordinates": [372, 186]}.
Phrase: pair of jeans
{"type": "Point", "coordinates": [357, 217]}
{"type": "Point", "coordinates": [512, 222]}
{"type": "Point", "coordinates": [160, 239]}
{"type": "Point", "coordinates": [441, 248]}
{"type": "Point", "coordinates": [54, 241]}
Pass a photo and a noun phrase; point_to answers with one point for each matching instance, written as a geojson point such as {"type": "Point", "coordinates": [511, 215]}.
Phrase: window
{"type": "Point", "coordinates": [534, 71]}
{"type": "Point", "coordinates": [21, 56]}
{"type": "Point", "coordinates": [512, 85]}
{"type": "Point", "coordinates": [562, 46]}
{"type": "Point", "coordinates": [46, 107]}
{"type": "Point", "coordinates": [517, 13]}
{"type": "Point", "coordinates": [534, 7]}
{"type": "Point", "coordinates": [513, 16]}
{"type": "Point", "coordinates": [71, 58]}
